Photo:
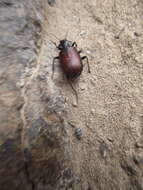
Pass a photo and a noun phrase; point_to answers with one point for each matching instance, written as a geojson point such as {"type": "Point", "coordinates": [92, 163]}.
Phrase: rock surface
{"type": "Point", "coordinates": [46, 141]}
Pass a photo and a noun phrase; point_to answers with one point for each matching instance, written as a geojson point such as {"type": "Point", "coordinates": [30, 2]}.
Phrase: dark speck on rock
{"type": "Point", "coordinates": [138, 160]}
{"type": "Point", "coordinates": [6, 3]}
{"type": "Point", "coordinates": [27, 154]}
{"type": "Point", "coordinates": [67, 173]}
{"type": "Point", "coordinates": [51, 2]}
{"type": "Point", "coordinates": [103, 150]}
{"type": "Point", "coordinates": [136, 34]}
{"type": "Point", "coordinates": [129, 170]}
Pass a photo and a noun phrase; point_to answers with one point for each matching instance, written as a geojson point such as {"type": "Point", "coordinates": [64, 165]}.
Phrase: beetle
{"type": "Point", "coordinates": [70, 61]}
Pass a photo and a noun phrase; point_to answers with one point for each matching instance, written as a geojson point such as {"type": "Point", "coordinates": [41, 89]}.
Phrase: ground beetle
{"type": "Point", "coordinates": [70, 61]}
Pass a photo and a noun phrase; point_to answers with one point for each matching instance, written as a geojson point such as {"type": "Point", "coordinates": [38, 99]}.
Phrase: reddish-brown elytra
{"type": "Point", "coordinates": [70, 61]}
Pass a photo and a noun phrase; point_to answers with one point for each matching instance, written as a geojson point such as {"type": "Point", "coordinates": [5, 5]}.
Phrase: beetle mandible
{"type": "Point", "coordinates": [70, 61]}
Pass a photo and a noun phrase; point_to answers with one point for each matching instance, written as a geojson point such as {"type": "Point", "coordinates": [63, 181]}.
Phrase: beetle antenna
{"type": "Point", "coordinates": [54, 43]}
{"type": "Point", "coordinates": [73, 90]}
{"type": "Point", "coordinates": [55, 36]}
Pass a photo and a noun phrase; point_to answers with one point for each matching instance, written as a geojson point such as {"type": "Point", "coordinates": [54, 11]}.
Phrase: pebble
{"type": "Point", "coordinates": [92, 111]}
{"type": "Point", "coordinates": [83, 86]}
{"type": "Point", "coordinates": [136, 34]}
{"type": "Point", "coordinates": [74, 104]}
{"type": "Point", "coordinates": [110, 139]}
{"type": "Point", "coordinates": [103, 150]}
{"type": "Point", "coordinates": [82, 33]}
{"type": "Point", "coordinates": [88, 52]}
{"type": "Point", "coordinates": [20, 84]}
{"type": "Point", "coordinates": [41, 77]}
{"type": "Point", "coordinates": [138, 145]}
{"type": "Point", "coordinates": [51, 2]}
{"type": "Point", "coordinates": [78, 133]}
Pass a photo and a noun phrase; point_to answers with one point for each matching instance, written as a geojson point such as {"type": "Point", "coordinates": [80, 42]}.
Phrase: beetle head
{"type": "Point", "coordinates": [64, 44]}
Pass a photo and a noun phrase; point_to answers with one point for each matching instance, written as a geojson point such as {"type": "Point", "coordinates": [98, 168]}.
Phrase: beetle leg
{"type": "Point", "coordinates": [85, 57]}
{"type": "Point", "coordinates": [74, 44]}
{"type": "Point", "coordinates": [54, 44]}
{"type": "Point", "coordinates": [79, 51]}
{"type": "Point", "coordinates": [70, 83]}
{"type": "Point", "coordinates": [53, 65]}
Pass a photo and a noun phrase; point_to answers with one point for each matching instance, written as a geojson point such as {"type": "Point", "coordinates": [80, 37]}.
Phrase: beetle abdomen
{"type": "Point", "coordinates": [71, 62]}
{"type": "Point", "coordinates": [73, 72]}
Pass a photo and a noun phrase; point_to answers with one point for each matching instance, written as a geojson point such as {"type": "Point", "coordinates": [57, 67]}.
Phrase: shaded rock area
{"type": "Point", "coordinates": [32, 135]}
{"type": "Point", "coordinates": [47, 141]}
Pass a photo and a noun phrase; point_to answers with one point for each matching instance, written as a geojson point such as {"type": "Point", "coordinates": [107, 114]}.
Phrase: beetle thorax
{"type": "Point", "coordinates": [64, 44]}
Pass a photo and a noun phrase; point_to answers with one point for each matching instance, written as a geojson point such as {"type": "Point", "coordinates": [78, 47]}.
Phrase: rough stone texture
{"type": "Point", "coordinates": [47, 142]}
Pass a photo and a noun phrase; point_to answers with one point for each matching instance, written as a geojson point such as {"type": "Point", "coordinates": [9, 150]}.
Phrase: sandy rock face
{"type": "Point", "coordinates": [47, 141]}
